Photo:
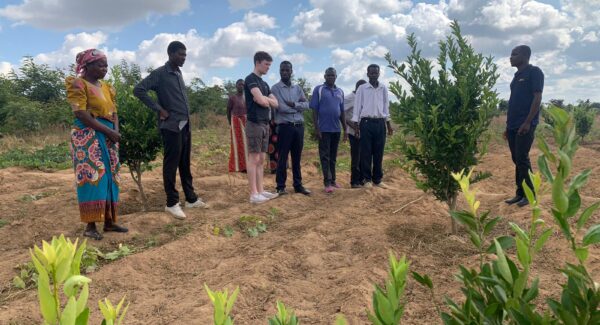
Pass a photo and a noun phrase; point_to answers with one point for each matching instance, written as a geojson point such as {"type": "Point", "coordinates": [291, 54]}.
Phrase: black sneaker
{"type": "Point", "coordinates": [523, 202]}
{"type": "Point", "coordinates": [302, 190]}
{"type": "Point", "coordinates": [356, 185]}
{"type": "Point", "coordinates": [281, 191]}
{"type": "Point", "coordinates": [513, 200]}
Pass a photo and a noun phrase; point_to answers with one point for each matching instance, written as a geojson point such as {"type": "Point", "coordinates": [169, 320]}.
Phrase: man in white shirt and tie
{"type": "Point", "coordinates": [372, 113]}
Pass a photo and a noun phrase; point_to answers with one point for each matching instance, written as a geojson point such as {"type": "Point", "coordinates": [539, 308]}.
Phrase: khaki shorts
{"type": "Point", "coordinates": [258, 137]}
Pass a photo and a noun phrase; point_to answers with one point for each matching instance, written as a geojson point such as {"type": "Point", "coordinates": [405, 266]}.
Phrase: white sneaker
{"type": "Point", "coordinates": [175, 211]}
{"type": "Point", "coordinates": [368, 185]}
{"type": "Point", "coordinates": [269, 195]}
{"type": "Point", "coordinates": [258, 199]}
{"type": "Point", "coordinates": [198, 204]}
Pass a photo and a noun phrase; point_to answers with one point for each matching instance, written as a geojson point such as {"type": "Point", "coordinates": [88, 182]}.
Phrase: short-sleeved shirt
{"type": "Point", "coordinates": [525, 83]}
{"type": "Point", "coordinates": [84, 96]}
{"type": "Point", "coordinates": [256, 113]}
{"type": "Point", "coordinates": [348, 111]}
{"type": "Point", "coordinates": [328, 102]}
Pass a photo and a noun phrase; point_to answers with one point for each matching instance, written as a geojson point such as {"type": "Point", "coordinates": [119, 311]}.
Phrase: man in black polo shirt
{"type": "Point", "coordinates": [523, 116]}
{"type": "Point", "coordinates": [259, 102]}
{"type": "Point", "coordinates": [174, 115]}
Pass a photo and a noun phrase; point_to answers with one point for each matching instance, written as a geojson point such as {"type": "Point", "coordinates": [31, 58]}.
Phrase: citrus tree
{"type": "Point", "coordinates": [446, 115]}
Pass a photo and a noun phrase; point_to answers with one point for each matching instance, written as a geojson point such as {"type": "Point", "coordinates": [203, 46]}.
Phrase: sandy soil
{"type": "Point", "coordinates": [321, 254]}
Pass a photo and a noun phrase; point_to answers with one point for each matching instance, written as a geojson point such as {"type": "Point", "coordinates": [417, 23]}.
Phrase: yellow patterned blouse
{"type": "Point", "coordinates": [84, 96]}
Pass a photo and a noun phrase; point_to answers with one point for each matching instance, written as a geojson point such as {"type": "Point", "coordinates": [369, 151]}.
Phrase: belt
{"type": "Point", "coordinates": [293, 123]}
{"type": "Point", "coordinates": [372, 118]}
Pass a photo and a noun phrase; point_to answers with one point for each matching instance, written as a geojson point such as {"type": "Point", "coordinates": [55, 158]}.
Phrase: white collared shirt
{"type": "Point", "coordinates": [371, 102]}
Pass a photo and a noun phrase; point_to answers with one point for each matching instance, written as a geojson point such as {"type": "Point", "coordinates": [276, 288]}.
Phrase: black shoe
{"type": "Point", "coordinates": [281, 191]}
{"type": "Point", "coordinates": [356, 186]}
{"type": "Point", "coordinates": [302, 190]}
{"type": "Point", "coordinates": [115, 228]}
{"type": "Point", "coordinates": [515, 199]}
{"type": "Point", "coordinates": [523, 202]}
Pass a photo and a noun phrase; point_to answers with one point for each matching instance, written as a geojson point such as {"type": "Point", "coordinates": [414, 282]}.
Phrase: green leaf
{"type": "Point", "coordinates": [18, 282]}
{"type": "Point", "coordinates": [341, 320]}
{"type": "Point", "coordinates": [69, 314]}
{"type": "Point", "coordinates": [592, 236]}
{"type": "Point", "coordinates": [465, 218]}
{"type": "Point", "coordinates": [82, 318]}
{"type": "Point", "coordinates": [503, 267]}
{"type": "Point", "coordinates": [528, 192]}
{"type": "Point", "coordinates": [559, 197]}
{"type": "Point", "coordinates": [506, 242]}
{"type": "Point", "coordinates": [544, 169]}
{"type": "Point", "coordinates": [582, 253]}
{"type": "Point", "coordinates": [490, 226]}
{"type": "Point", "coordinates": [579, 180]}
{"type": "Point", "coordinates": [520, 232]}
{"type": "Point", "coordinates": [542, 239]}
{"type": "Point", "coordinates": [574, 204]}
{"type": "Point", "coordinates": [523, 252]}
{"type": "Point", "coordinates": [423, 279]}
{"type": "Point", "coordinates": [586, 214]}
{"type": "Point", "coordinates": [71, 285]}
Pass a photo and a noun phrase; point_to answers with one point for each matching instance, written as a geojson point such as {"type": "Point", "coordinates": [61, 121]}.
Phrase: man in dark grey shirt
{"type": "Point", "coordinates": [290, 124]}
{"type": "Point", "coordinates": [174, 114]}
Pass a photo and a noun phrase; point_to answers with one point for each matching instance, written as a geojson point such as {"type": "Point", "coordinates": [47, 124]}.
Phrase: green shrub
{"type": "Point", "coordinates": [284, 316]}
{"type": "Point", "coordinates": [446, 115]}
{"type": "Point", "coordinates": [54, 156]}
{"type": "Point", "coordinates": [584, 116]}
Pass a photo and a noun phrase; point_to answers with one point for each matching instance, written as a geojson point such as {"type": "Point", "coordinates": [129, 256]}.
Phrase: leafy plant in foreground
{"type": "Point", "coordinates": [222, 304]}
{"type": "Point", "coordinates": [284, 316]}
{"type": "Point", "coordinates": [57, 264]}
{"type": "Point", "coordinates": [388, 304]}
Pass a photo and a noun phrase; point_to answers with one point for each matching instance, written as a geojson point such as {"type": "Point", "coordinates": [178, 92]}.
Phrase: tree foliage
{"type": "Point", "coordinates": [140, 139]}
{"type": "Point", "coordinates": [206, 100]}
{"type": "Point", "coordinates": [447, 115]}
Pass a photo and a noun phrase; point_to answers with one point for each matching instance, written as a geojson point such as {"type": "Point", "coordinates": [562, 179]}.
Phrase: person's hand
{"type": "Point", "coordinates": [290, 104]}
{"type": "Point", "coordinates": [163, 114]}
{"type": "Point", "coordinates": [345, 139]}
{"type": "Point", "coordinates": [302, 100]}
{"type": "Point", "coordinates": [505, 135]}
{"type": "Point", "coordinates": [524, 129]}
{"type": "Point", "coordinates": [390, 131]}
{"type": "Point", "coordinates": [318, 134]}
{"type": "Point", "coordinates": [114, 136]}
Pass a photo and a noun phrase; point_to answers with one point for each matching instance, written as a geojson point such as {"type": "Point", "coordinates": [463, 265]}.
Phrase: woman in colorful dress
{"type": "Point", "coordinates": [236, 115]}
{"type": "Point", "coordinates": [95, 143]}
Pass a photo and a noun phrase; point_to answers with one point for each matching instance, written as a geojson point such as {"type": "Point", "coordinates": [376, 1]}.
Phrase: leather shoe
{"type": "Point", "coordinates": [302, 190]}
{"type": "Point", "coordinates": [523, 202]}
{"type": "Point", "coordinates": [515, 199]}
{"type": "Point", "coordinates": [281, 191]}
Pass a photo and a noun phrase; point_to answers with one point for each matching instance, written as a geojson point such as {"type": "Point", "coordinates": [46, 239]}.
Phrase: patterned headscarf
{"type": "Point", "coordinates": [86, 57]}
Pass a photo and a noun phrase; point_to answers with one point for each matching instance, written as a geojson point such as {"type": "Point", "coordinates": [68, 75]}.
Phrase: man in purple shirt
{"type": "Point", "coordinates": [327, 103]}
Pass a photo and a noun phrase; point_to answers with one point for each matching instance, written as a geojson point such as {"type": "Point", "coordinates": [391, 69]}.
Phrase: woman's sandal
{"type": "Point", "coordinates": [94, 234]}
{"type": "Point", "coordinates": [115, 228]}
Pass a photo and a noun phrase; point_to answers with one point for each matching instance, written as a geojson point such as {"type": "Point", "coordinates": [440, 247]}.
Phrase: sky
{"type": "Point", "coordinates": [222, 36]}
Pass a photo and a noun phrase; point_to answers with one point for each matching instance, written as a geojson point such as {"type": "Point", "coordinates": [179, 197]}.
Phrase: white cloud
{"type": "Point", "coordinates": [245, 4]}
{"type": "Point", "coordinates": [257, 21]}
{"type": "Point", "coordinates": [221, 50]}
{"type": "Point", "coordinates": [5, 68]}
{"type": "Point", "coordinates": [296, 59]}
{"type": "Point", "coordinates": [591, 37]}
{"type": "Point", "coordinates": [69, 14]}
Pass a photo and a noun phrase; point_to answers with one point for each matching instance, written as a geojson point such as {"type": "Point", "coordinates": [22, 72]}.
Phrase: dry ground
{"type": "Point", "coordinates": [320, 255]}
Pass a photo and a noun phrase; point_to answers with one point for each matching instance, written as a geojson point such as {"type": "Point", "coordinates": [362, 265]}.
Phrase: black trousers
{"type": "Point", "coordinates": [519, 151]}
{"type": "Point", "coordinates": [328, 147]}
{"type": "Point", "coordinates": [177, 148]}
{"type": "Point", "coordinates": [372, 143]}
{"type": "Point", "coordinates": [290, 139]}
{"type": "Point", "coordinates": [355, 177]}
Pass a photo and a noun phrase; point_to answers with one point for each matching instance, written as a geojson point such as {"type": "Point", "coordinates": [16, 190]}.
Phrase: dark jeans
{"type": "Point", "coordinates": [290, 139]}
{"type": "Point", "coordinates": [177, 148]}
{"type": "Point", "coordinates": [519, 151]}
{"type": "Point", "coordinates": [372, 143]}
{"type": "Point", "coordinates": [355, 178]}
{"type": "Point", "coordinates": [328, 146]}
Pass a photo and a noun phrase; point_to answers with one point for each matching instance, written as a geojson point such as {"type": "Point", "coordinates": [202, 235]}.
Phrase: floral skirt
{"type": "Point", "coordinates": [96, 165]}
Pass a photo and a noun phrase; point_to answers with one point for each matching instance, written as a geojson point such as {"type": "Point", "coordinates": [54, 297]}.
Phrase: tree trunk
{"type": "Point", "coordinates": [452, 206]}
{"type": "Point", "coordinates": [137, 178]}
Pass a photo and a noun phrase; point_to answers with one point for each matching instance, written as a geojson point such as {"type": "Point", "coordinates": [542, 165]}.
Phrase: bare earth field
{"type": "Point", "coordinates": [320, 254]}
